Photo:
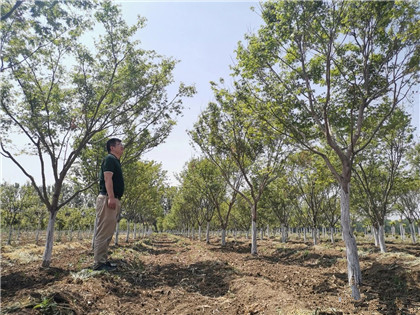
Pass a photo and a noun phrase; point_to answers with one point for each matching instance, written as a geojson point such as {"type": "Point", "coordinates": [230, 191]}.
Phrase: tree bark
{"type": "Point", "coordinates": [332, 235]}
{"type": "Point", "coordinates": [223, 237]}
{"type": "Point", "coordinates": [381, 238]}
{"type": "Point", "coordinates": [353, 266]}
{"type": "Point", "coordinates": [117, 233]}
{"type": "Point", "coordinates": [254, 238]}
{"type": "Point", "coordinates": [128, 232]}
{"type": "Point", "coordinates": [283, 234]}
{"type": "Point", "coordinates": [49, 242]}
{"type": "Point", "coordinates": [413, 232]}
{"type": "Point", "coordinates": [375, 233]}
{"type": "Point", "coordinates": [208, 233]}
{"type": "Point", "coordinates": [402, 232]}
{"type": "Point", "coordinates": [9, 239]}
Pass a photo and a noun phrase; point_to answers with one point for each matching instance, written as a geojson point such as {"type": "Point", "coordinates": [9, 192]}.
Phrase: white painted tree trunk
{"type": "Point", "coordinates": [381, 238]}
{"type": "Point", "coordinates": [413, 233]}
{"type": "Point", "coordinates": [393, 232]}
{"type": "Point", "coordinates": [208, 233]}
{"type": "Point", "coordinates": [49, 242]}
{"type": "Point", "coordinates": [223, 237]}
{"type": "Point", "coordinates": [375, 233]}
{"type": "Point", "coordinates": [304, 235]}
{"type": "Point", "coordinates": [353, 265]}
{"type": "Point", "coordinates": [254, 238]}
{"type": "Point", "coordinates": [199, 233]}
{"type": "Point", "coordinates": [315, 235]}
{"type": "Point", "coordinates": [402, 232]}
{"type": "Point", "coordinates": [332, 235]}
{"type": "Point", "coordinates": [261, 234]}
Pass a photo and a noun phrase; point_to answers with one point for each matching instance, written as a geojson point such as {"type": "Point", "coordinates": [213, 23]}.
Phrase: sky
{"type": "Point", "coordinates": [203, 36]}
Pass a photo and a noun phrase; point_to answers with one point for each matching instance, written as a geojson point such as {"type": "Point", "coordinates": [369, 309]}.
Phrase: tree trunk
{"type": "Point", "coordinates": [223, 237]}
{"type": "Point", "coordinates": [304, 234]}
{"type": "Point", "coordinates": [332, 234]}
{"type": "Point", "coordinates": [117, 233]}
{"type": "Point", "coordinates": [135, 231]}
{"type": "Point", "coordinates": [128, 232]}
{"type": "Point", "coordinates": [381, 238]}
{"type": "Point", "coordinates": [208, 232]}
{"type": "Point", "coordinates": [199, 233]}
{"type": "Point", "coordinates": [375, 233]}
{"type": "Point", "coordinates": [283, 234]}
{"type": "Point", "coordinates": [353, 266]}
{"type": "Point", "coordinates": [315, 235]}
{"type": "Point", "coordinates": [37, 236]}
{"type": "Point", "coordinates": [254, 238]}
{"type": "Point", "coordinates": [9, 239]}
{"type": "Point", "coordinates": [413, 232]}
{"type": "Point", "coordinates": [262, 234]}
{"type": "Point", "coordinates": [49, 242]}
{"type": "Point", "coordinates": [393, 232]}
{"type": "Point", "coordinates": [402, 232]}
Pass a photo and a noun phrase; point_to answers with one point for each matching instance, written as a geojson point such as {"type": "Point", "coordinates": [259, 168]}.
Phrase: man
{"type": "Point", "coordinates": [108, 204]}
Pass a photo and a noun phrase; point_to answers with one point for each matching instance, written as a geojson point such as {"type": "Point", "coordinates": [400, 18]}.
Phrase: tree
{"type": "Point", "coordinates": [378, 170]}
{"type": "Point", "coordinates": [145, 188]}
{"type": "Point", "coordinates": [65, 94]}
{"type": "Point", "coordinates": [15, 200]}
{"type": "Point", "coordinates": [234, 140]}
{"type": "Point", "coordinates": [330, 74]}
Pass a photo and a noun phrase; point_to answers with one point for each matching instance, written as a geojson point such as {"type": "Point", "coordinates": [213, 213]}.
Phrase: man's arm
{"type": "Point", "coordinates": [109, 185]}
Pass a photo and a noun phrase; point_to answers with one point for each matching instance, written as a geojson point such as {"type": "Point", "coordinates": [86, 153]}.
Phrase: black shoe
{"type": "Point", "coordinates": [110, 264]}
{"type": "Point", "coordinates": [105, 266]}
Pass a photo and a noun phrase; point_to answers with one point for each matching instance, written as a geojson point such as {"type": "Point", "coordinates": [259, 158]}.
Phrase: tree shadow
{"type": "Point", "coordinates": [16, 281]}
{"type": "Point", "coordinates": [157, 248]}
{"type": "Point", "coordinates": [209, 278]}
{"type": "Point", "coordinates": [304, 257]}
{"type": "Point", "coordinates": [232, 247]}
{"type": "Point", "coordinates": [393, 285]}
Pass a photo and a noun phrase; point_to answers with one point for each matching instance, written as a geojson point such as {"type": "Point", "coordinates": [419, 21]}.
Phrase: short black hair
{"type": "Point", "coordinates": [112, 143]}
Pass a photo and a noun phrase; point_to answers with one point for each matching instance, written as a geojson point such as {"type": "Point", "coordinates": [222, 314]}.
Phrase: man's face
{"type": "Point", "coordinates": [118, 149]}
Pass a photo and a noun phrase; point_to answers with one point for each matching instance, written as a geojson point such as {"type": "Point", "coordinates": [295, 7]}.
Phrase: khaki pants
{"type": "Point", "coordinates": [106, 221]}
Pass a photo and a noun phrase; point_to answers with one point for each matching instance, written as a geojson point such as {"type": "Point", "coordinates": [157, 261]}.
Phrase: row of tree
{"type": "Point", "coordinates": [320, 84]}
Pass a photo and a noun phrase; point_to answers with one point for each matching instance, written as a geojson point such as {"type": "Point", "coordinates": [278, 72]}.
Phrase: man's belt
{"type": "Point", "coordinates": [105, 194]}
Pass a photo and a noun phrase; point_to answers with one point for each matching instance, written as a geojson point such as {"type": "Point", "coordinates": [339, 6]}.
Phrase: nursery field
{"type": "Point", "coordinates": [168, 274]}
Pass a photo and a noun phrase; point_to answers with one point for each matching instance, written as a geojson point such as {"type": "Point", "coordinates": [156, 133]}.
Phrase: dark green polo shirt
{"type": "Point", "coordinates": [112, 164]}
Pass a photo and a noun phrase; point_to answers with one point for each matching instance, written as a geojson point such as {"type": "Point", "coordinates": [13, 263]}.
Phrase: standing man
{"type": "Point", "coordinates": [108, 204]}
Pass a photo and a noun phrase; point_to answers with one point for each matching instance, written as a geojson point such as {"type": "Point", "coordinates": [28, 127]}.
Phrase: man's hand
{"type": "Point", "coordinates": [112, 202]}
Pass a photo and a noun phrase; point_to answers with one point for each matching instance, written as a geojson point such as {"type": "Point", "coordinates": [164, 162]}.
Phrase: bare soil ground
{"type": "Point", "coordinates": [167, 274]}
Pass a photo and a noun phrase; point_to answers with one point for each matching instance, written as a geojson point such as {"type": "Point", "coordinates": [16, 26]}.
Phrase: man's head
{"type": "Point", "coordinates": [115, 147]}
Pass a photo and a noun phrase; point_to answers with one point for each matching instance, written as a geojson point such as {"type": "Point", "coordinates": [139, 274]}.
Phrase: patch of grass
{"type": "Point", "coordinates": [47, 305]}
{"type": "Point", "coordinates": [85, 274]}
